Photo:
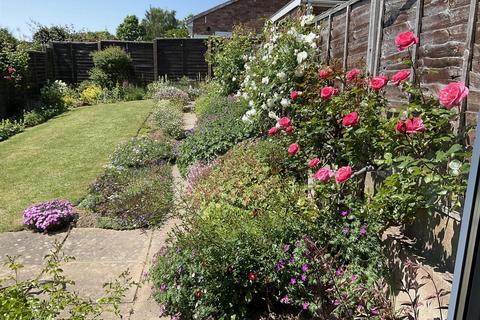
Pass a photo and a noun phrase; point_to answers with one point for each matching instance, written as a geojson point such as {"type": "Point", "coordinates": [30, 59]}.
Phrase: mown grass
{"type": "Point", "coordinates": [59, 159]}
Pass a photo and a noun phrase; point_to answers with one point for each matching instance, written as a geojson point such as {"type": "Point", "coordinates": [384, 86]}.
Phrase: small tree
{"type": "Point", "coordinates": [158, 21]}
{"type": "Point", "coordinates": [112, 65]}
{"type": "Point", "coordinates": [130, 29]}
{"type": "Point", "coordinates": [44, 34]}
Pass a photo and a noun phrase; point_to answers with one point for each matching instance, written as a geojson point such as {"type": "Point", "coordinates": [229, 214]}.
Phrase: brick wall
{"type": "Point", "coordinates": [250, 13]}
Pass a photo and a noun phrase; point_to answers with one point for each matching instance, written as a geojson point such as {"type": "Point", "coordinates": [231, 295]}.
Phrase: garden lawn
{"type": "Point", "coordinates": [60, 158]}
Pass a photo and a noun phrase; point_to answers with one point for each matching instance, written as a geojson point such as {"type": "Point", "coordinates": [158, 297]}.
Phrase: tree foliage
{"type": "Point", "coordinates": [130, 29]}
{"type": "Point", "coordinates": [158, 21]}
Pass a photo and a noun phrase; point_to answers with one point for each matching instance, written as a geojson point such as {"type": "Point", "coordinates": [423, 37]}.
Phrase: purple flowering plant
{"type": "Point", "coordinates": [49, 216]}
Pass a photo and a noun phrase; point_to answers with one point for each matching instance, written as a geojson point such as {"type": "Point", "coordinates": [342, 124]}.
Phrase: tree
{"type": "Point", "coordinates": [130, 29]}
{"type": "Point", "coordinates": [6, 37]}
{"type": "Point", "coordinates": [92, 36]}
{"type": "Point", "coordinates": [44, 34]}
{"type": "Point", "coordinates": [158, 21]}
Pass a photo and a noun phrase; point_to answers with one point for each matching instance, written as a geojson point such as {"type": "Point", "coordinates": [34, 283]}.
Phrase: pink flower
{"type": "Point", "coordinates": [363, 230]}
{"type": "Point", "coordinates": [273, 131]}
{"type": "Point", "coordinates": [294, 95]}
{"type": "Point", "coordinates": [328, 92]}
{"type": "Point", "coordinates": [351, 119]}
{"type": "Point", "coordinates": [414, 125]}
{"type": "Point", "coordinates": [401, 127]}
{"type": "Point", "coordinates": [377, 83]}
{"type": "Point", "coordinates": [343, 174]}
{"type": "Point", "coordinates": [251, 276]}
{"type": "Point", "coordinates": [325, 73]}
{"type": "Point", "coordinates": [313, 163]}
{"type": "Point", "coordinates": [285, 122]}
{"type": "Point", "coordinates": [285, 300]}
{"type": "Point", "coordinates": [293, 149]}
{"type": "Point", "coordinates": [305, 305]}
{"type": "Point", "coordinates": [400, 76]}
{"type": "Point", "coordinates": [405, 40]}
{"type": "Point", "coordinates": [11, 70]}
{"type": "Point", "coordinates": [453, 94]}
{"type": "Point", "coordinates": [352, 75]}
{"type": "Point", "coordinates": [324, 174]}
{"type": "Point", "coordinates": [289, 129]}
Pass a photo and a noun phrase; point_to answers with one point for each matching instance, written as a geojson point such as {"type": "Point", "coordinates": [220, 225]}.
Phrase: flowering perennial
{"type": "Point", "coordinates": [49, 216]}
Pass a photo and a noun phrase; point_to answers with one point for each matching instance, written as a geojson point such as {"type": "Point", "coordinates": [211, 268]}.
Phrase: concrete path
{"type": "Point", "coordinates": [100, 256]}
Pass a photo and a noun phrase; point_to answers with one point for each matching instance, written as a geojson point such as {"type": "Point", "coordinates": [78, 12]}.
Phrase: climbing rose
{"type": "Point", "coordinates": [405, 40]}
{"type": "Point", "coordinates": [400, 127]}
{"type": "Point", "coordinates": [377, 83]}
{"type": "Point", "coordinates": [285, 122]}
{"type": "Point", "coordinates": [294, 95]}
{"type": "Point", "coordinates": [453, 94]}
{"type": "Point", "coordinates": [343, 174]}
{"type": "Point", "coordinates": [352, 75]}
{"type": "Point", "coordinates": [251, 276]}
{"type": "Point", "coordinates": [414, 125]}
{"type": "Point", "coordinates": [324, 174]}
{"type": "Point", "coordinates": [325, 73]}
{"type": "Point", "coordinates": [328, 92]}
{"type": "Point", "coordinates": [273, 131]}
{"type": "Point", "coordinates": [313, 163]}
{"type": "Point", "coordinates": [350, 120]}
{"type": "Point", "coordinates": [289, 129]}
{"type": "Point", "coordinates": [293, 149]}
{"type": "Point", "coordinates": [400, 76]}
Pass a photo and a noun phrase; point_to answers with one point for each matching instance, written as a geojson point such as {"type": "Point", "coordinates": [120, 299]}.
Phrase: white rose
{"type": "Point", "coordinates": [302, 56]}
{"type": "Point", "coordinates": [272, 115]}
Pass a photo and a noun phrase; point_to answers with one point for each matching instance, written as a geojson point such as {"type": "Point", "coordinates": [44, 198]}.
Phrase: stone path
{"type": "Point", "coordinates": [100, 256]}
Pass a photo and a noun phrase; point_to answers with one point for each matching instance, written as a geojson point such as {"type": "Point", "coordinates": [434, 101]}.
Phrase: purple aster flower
{"type": "Point", "coordinates": [353, 278]}
{"type": "Point", "coordinates": [339, 272]}
{"type": "Point", "coordinates": [303, 277]}
{"type": "Point", "coordinates": [305, 267]}
{"type": "Point", "coordinates": [346, 231]}
{"type": "Point", "coordinates": [286, 248]}
{"type": "Point", "coordinates": [293, 281]}
{"type": "Point", "coordinates": [374, 311]}
{"type": "Point", "coordinates": [280, 265]}
{"type": "Point", "coordinates": [292, 260]}
{"type": "Point", "coordinates": [285, 300]}
{"type": "Point", "coordinates": [163, 287]}
{"type": "Point", "coordinates": [305, 305]}
{"type": "Point", "coordinates": [336, 302]}
{"type": "Point", "coordinates": [360, 307]}
{"type": "Point", "coordinates": [363, 230]}
{"type": "Point", "coordinates": [344, 213]}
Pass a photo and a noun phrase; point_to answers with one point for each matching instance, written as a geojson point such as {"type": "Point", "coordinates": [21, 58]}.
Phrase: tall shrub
{"type": "Point", "coordinates": [113, 65]}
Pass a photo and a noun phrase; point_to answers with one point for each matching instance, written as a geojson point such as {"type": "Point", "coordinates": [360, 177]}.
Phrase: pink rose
{"type": "Point", "coordinates": [401, 127]}
{"type": "Point", "coordinates": [324, 174]}
{"type": "Point", "coordinates": [313, 163]}
{"type": "Point", "coordinates": [325, 73]}
{"type": "Point", "coordinates": [351, 119]}
{"type": "Point", "coordinates": [405, 40]}
{"type": "Point", "coordinates": [414, 125]}
{"type": "Point", "coordinates": [400, 76]}
{"type": "Point", "coordinates": [453, 94]}
{"type": "Point", "coordinates": [378, 83]}
{"type": "Point", "coordinates": [289, 129]}
{"type": "Point", "coordinates": [343, 174]}
{"type": "Point", "coordinates": [328, 92]}
{"type": "Point", "coordinates": [285, 122]}
{"type": "Point", "coordinates": [294, 95]}
{"type": "Point", "coordinates": [293, 149]}
{"type": "Point", "coordinates": [273, 131]}
{"type": "Point", "coordinates": [352, 75]}
{"type": "Point", "coordinates": [11, 70]}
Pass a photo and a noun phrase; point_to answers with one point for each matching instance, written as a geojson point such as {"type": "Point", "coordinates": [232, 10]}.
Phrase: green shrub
{"type": "Point", "coordinates": [10, 128]}
{"type": "Point", "coordinates": [143, 151]}
{"type": "Point", "coordinates": [33, 118]}
{"type": "Point", "coordinates": [132, 93]}
{"type": "Point", "coordinates": [113, 65]}
{"type": "Point", "coordinates": [128, 198]}
{"type": "Point", "coordinates": [52, 94]}
{"type": "Point", "coordinates": [169, 118]}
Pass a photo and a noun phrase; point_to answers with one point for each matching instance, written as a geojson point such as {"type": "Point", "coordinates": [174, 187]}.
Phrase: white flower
{"type": "Point", "coordinates": [245, 118]}
{"type": "Point", "coordinates": [234, 79]}
{"type": "Point", "coordinates": [310, 38]}
{"type": "Point", "coordinates": [270, 102]}
{"type": "Point", "coordinates": [250, 103]}
{"type": "Point", "coordinates": [272, 115]}
{"type": "Point", "coordinates": [285, 102]}
{"type": "Point", "coordinates": [308, 19]}
{"type": "Point", "coordinates": [265, 80]}
{"type": "Point", "coordinates": [302, 56]}
{"type": "Point", "coordinates": [282, 76]}
{"type": "Point", "coordinates": [245, 96]}
{"type": "Point", "coordinates": [264, 106]}
{"type": "Point", "coordinates": [252, 112]}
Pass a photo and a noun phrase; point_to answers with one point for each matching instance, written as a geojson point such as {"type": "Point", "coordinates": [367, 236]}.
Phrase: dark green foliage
{"type": "Point", "coordinates": [130, 29]}
{"type": "Point", "coordinates": [158, 21]}
{"type": "Point", "coordinates": [112, 66]}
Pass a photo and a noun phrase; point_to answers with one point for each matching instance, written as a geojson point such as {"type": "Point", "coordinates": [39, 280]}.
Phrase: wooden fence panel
{"type": "Point", "coordinates": [82, 56]}
{"type": "Point", "coordinates": [37, 67]}
{"type": "Point", "coordinates": [358, 35]}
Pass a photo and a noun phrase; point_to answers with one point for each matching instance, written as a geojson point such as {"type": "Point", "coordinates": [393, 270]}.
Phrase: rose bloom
{"type": "Point", "coordinates": [377, 83]}
{"type": "Point", "coordinates": [251, 276]}
{"type": "Point", "coordinates": [285, 122]}
{"type": "Point", "coordinates": [351, 119]}
{"type": "Point", "coordinates": [414, 125]}
{"type": "Point", "coordinates": [273, 131]}
{"type": "Point", "coordinates": [324, 174]}
{"type": "Point", "coordinates": [289, 129]}
{"type": "Point", "coordinates": [328, 92]}
{"type": "Point", "coordinates": [400, 127]}
{"type": "Point", "coordinates": [294, 95]}
{"type": "Point", "coordinates": [11, 70]}
{"type": "Point", "coordinates": [352, 75]}
{"type": "Point", "coordinates": [453, 94]}
{"type": "Point", "coordinates": [293, 149]}
{"type": "Point", "coordinates": [343, 174]}
{"type": "Point", "coordinates": [405, 40]}
{"type": "Point", "coordinates": [400, 76]}
{"type": "Point", "coordinates": [313, 163]}
{"type": "Point", "coordinates": [325, 73]}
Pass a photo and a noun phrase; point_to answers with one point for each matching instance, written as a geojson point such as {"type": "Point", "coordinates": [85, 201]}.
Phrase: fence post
{"type": "Point", "coordinates": [379, 38]}
{"type": "Point", "coordinates": [417, 30]}
{"type": "Point", "coordinates": [345, 42]}
{"type": "Point", "coordinates": [329, 39]}
{"type": "Point", "coordinates": [155, 59]}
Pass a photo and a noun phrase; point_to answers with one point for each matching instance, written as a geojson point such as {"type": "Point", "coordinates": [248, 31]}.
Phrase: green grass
{"type": "Point", "coordinates": [59, 159]}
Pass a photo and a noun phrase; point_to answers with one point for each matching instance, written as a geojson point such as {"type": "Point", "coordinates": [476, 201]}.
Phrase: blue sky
{"type": "Point", "coordinates": [88, 14]}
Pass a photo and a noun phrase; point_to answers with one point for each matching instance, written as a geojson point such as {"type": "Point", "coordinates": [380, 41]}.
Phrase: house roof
{"type": "Point", "coordinates": [297, 3]}
{"type": "Point", "coordinates": [204, 13]}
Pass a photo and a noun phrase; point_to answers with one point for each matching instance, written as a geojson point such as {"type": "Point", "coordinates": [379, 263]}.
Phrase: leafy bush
{"type": "Point", "coordinates": [169, 118]}
{"type": "Point", "coordinates": [142, 151]}
{"type": "Point", "coordinates": [133, 93]}
{"type": "Point", "coordinates": [210, 102]}
{"type": "Point", "coordinates": [9, 128]}
{"type": "Point", "coordinates": [51, 95]}
{"type": "Point", "coordinates": [113, 65]}
{"type": "Point", "coordinates": [214, 135]}
{"type": "Point", "coordinates": [49, 216]}
{"type": "Point", "coordinates": [134, 197]}
{"type": "Point", "coordinates": [90, 93]}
